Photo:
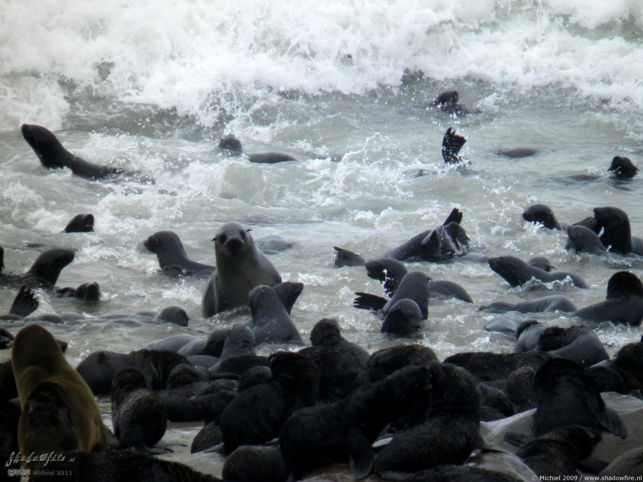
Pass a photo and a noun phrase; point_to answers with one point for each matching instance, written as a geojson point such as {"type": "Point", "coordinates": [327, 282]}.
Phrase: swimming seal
{"type": "Point", "coordinates": [617, 235]}
{"type": "Point", "coordinates": [622, 168]}
{"type": "Point", "coordinates": [581, 239]}
{"type": "Point", "coordinates": [44, 271]}
{"type": "Point", "coordinates": [59, 411]}
{"type": "Point", "coordinates": [518, 152]}
{"type": "Point", "coordinates": [545, 304]}
{"type": "Point", "coordinates": [232, 146]}
{"type": "Point", "coordinates": [53, 155]}
{"type": "Point", "coordinates": [390, 273]}
{"type": "Point", "coordinates": [81, 223]}
{"type": "Point", "coordinates": [172, 257]}
{"type": "Point", "coordinates": [623, 303]}
{"type": "Point", "coordinates": [240, 267]}
{"type": "Point", "coordinates": [138, 414]}
{"type": "Point", "coordinates": [448, 102]}
{"type": "Point", "coordinates": [516, 272]}
{"type": "Point", "coordinates": [344, 431]}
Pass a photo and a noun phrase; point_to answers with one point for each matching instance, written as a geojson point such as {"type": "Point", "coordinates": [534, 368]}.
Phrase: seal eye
{"type": "Point", "coordinates": [221, 238]}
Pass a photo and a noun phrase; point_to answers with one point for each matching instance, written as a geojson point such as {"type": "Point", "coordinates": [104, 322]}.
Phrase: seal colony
{"type": "Point", "coordinates": [278, 408]}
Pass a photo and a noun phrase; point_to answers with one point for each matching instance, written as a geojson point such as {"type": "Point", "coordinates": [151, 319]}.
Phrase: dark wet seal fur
{"type": "Point", "coordinates": [53, 155]}
{"type": "Point", "coordinates": [172, 257]}
{"type": "Point", "coordinates": [81, 223]}
{"type": "Point", "coordinates": [623, 303]}
{"type": "Point", "coordinates": [232, 146]}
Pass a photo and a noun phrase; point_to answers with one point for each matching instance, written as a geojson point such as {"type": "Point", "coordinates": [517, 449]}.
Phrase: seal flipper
{"type": "Point", "coordinates": [24, 303]}
{"type": "Point", "coordinates": [344, 257]}
{"type": "Point", "coordinates": [611, 422]}
{"type": "Point", "coordinates": [288, 292]}
{"type": "Point", "coordinates": [451, 145]}
{"type": "Point", "coordinates": [367, 301]}
{"type": "Point", "coordinates": [455, 216]}
{"type": "Point", "coordinates": [360, 455]}
{"type": "Point", "coordinates": [208, 303]}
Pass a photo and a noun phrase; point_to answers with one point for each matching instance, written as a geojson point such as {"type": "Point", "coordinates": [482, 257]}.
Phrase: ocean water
{"type": "Point", "coordinates": [152, 86]}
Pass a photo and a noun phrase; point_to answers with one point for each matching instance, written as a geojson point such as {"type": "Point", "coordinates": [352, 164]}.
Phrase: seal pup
{"type": "Point", "coordinates": [250, 462]}
{"type": "Point", "coordinates": [172, 257]}
{"type": "Point", "coordinates": [345, 430]}
{"type": "Point", "coordinates": [53, 155]}
{"type": "Point", "coordinates": [623, 303]}
{"type": "Point", "coordinates": [44, 271]}
{"type": "Point", "coordinates": [232, 147]}
{"type": "Point", "coordinates": [451, 430]}
{"type": "Point", "coordinates": [138, 414]}
{"type": "Point", "coordinates": [516, 272]}
{"type": "Point", "coordinates": [326, 333]}
{"type": "Point", "coordinates": [59, 411]}
{"type": "Point", "coordinates": [495, 366]}
{"type": "Point", "coordinates": [451, 145]}
{"type": "Point", "coordinates": [257, 414]}
{"type": "Point", "coordinates": [240, 267]}
{"type": "Point", "coordinates": [567, 395]}
{"type": "Point", "coordinates": [81, 223]}
{"type": "Point", "coordinates": [271, 323]}
{"type": "Point", "coordinates": [617, 235]}
{"type": "Point", "coordinates": [390, 273]}
{"type": "Point", "coordinates": [622, 168]}
{"type": "Point", "coordinates": [386, 361]}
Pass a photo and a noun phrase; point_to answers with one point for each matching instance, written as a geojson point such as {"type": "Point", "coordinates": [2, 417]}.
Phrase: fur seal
{"type": "Point", "coordinates": [172, 257]}
{"type": "Point", "coordinates": [255, 463]}
{"type": "Point", "coordinates": [447, 102]}
{"type": "Point", "coordinates": [53, 155]}
{"type": "Point", "coordinates": [81, 223]}
{"type": "Point", "coordinates": [495, 366]}
{"type": "Point", "coordinates": [560, 452]}
{"type": "Point", "coordinates": [321, 435]}
{"type": "Point", "coordinates": [414, 286]}
{"type": "Point", "coordinates": [518, 152]}
{"type": "Point", "coordinates": [138, 414]}
{"type": "Point", "coordinates": [581, 239]}
{"type": "Point", "coordinates": [271, 323]}
{"type": "Point", "coordinates": [240, 267]}
{"type": "Point", "coordinates": [451, 145]}
{"type": "Point", "coordinates": [386, 361]}
{"type": "Point", "coordinates": [516, 272]}
{"type": "Point", "coordinates": [232, 146]}
{"type": "Point", "coordinates": [617, 236]}
{"type": "Point", "coordinates": [567, 395]}
{"type": "Point", "coordinates": [390, 273]}
{"type": "Point", "coordinates": [438, 245]}
{"type": "Point", "coordinates": [326, 333]}
{"type": "Point", "coordinates": [258, 413]}
{"type": "Point", "coordinates": [44, 271]}
{"type": "Point", "coordinates": [450, 432]}
{"type": "Point", "coordinates": [542, 214]}
{"type": "Point", "coordinates": [622, 168]}
{"type": "Point", "coordinates": [59, 411]}
{"type": "Point", "coordinates": [538, 305]}
{"type": "Point", "coordinates": [404, 318]}
{"type": "Point", "coordinates": [623, 303]}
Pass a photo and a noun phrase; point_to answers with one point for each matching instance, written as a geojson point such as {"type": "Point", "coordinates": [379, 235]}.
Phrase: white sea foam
{"type": "Point", "coordinates": [199, 57]}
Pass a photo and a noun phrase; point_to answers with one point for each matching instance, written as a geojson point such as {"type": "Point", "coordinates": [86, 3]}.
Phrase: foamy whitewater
{"type": "Point", "coordinates": [152, 86]}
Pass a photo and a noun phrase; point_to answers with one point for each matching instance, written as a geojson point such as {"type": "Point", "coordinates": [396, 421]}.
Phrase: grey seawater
{"type": "Point", "coordinates": [368, 202]}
